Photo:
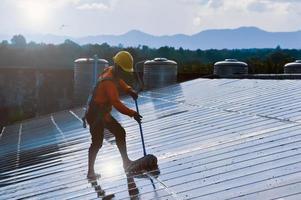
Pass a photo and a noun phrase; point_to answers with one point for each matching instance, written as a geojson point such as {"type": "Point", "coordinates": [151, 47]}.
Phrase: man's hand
{"type": "Point", "coordinates": [133, 94]}
{"type": "Point", "coordinates": [137, 117]}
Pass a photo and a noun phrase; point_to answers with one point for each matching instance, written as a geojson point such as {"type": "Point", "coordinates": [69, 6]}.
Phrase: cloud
{"type": "Point", "coordinates": [193, 2]}
{"type": "Point", "coordinates": [271, 15]}
{"type": "Point", "coordinates": [257, 6]}
{"type": "Point", "coordinates": [93, 6]}
{"type": "Point", "coordinates": [151, 16]}
{"type": "Point", "coordinates": [77, 4]}
{"type": "Point", "coordinates": [96, 4]}
{"type": "Point", "coordinates": [216, 3]}
{"type": "Point", "coordinates": [49, 3]}
{"type": "Point", "coordinates": [209, 3]}
{"type": "Point", "coordinates": [197, 21]}
{"type": "Point", "coordinates": [285, 1]}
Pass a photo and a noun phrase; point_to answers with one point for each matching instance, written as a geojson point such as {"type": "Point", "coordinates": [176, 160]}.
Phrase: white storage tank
{"type": "Point", "coordinates": [230, 67]}
{"type": "Point", "coordinates": [86, 72]}
{"type": "Point", "coordinates": [159, 72]}
{"type": "Point", "coordinates": [293, 68]}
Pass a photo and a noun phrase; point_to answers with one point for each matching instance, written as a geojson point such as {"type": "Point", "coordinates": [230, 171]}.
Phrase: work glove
{"type": "Point", "coordinates": [137, 117]}
{"type": "Point", "coordinates": [133, 94]}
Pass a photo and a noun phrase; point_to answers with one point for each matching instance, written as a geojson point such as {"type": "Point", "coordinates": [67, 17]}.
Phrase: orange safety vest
{"type": "Point", "coordinates": [106, 94]}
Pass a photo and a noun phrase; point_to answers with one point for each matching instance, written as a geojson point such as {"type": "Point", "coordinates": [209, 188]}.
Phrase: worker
{"type": "Point", "coordinates": [98, 116]}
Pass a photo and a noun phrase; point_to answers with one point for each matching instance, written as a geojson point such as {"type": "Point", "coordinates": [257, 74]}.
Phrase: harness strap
{"type": "Point", "coordinates": [91, 97]}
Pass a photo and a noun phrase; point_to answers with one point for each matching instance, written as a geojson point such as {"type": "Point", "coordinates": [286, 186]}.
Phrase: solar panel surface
{"type": "Point", "coordinates": [215, 139]}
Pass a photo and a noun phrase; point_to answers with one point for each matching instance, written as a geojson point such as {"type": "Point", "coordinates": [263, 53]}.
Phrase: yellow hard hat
{"type": "Point", "coordinates": [125, 60]}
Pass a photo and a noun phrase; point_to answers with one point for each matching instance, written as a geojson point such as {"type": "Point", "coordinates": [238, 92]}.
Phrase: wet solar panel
{"type": "Point", "coordinates": [215, 139]}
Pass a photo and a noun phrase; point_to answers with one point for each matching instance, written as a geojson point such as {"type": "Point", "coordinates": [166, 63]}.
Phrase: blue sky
{"type": "Point", "coordinates": [158, 17]}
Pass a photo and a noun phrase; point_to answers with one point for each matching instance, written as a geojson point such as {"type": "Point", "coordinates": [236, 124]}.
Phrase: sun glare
{"type": "Point", "coordinates": [111, 168]}
{"type": "Point", "coordinates": [35, 11]}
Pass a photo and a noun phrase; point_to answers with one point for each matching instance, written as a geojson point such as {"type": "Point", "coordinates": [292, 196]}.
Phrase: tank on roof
{"type": "Point", "coordinates": [86, 71]}
{"type": "Point", "coordinates": [293, 68]}
{"type": "Point", "coordinates": [230, 67]}
{"type": "Point", "coordinates": [159, 72]}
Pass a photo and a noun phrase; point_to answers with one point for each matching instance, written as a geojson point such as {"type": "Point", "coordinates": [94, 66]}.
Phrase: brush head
{"type": "Point", "coordinates": [144, 164]}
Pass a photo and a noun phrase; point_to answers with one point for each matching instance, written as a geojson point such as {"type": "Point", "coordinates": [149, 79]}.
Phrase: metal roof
{"type": "Point", "coordinates": [90, 60]}
{"type": "Point", "coordinates": [160, 61]}
{"type": "Point", "coordinates": [215, 139]}
{"type": "Point", "coordinates": [231, 62]}
{"type": "Point", "coordinates": [297, 63]}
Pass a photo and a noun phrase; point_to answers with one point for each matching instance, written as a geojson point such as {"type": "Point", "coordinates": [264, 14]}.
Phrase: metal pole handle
{"type": "Point", "coordinates": [140, 127]}
{"type": "Point", "coordinates": [141, 133]}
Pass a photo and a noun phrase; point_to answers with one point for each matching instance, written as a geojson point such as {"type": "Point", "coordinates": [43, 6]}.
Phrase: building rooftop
{"type": "Point", "coordinates": [215, 139]}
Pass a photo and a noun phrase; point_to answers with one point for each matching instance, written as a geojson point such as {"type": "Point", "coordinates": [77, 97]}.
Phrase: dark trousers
{"type": "Point", "coordinates": [97, 132]}
{"type": "Point", "coordinates": [97, 125]}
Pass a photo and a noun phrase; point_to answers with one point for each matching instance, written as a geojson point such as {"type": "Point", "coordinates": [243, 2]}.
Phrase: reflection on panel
{"type": "Point", "coordinates": [215, 139]}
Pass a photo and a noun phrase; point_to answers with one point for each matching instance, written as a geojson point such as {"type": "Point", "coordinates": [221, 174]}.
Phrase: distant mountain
{"type": "Point", "coordinates": [244, 37]}
{"type": "Point", "coordinates": [48, 38]}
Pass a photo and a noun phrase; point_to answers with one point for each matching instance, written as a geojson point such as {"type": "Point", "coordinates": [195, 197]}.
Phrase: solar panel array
{"type": "Point", "coordinates": [215, 139]}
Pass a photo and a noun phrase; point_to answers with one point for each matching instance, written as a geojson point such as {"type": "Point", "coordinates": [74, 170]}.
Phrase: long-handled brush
{"type": "Point", "coordinates": [140, 128]}
{"type": "Point", "coordinates": [148, 162]}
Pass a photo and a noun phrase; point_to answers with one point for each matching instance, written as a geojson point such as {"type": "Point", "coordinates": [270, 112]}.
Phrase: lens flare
{"type": "Point", "coordinates": [113, 167]}
{"type": "Point", "coordinates": [36, 12]}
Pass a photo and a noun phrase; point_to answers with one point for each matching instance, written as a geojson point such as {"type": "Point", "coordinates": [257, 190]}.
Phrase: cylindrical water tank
{"type": "Point", "coordinates": [86, 72]}
{"type": "Point", "coordinates": [159, 72]}
{"type": "Point", "coordinates": [293, 68]}
{"type": "Point", "coordinates": [230, 67]}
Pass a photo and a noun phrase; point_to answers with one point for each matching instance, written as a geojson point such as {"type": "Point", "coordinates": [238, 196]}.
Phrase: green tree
{"type": "Point", "coordinates": [4, 43]}
{"type": "Point", "coordinates": [18, 41]}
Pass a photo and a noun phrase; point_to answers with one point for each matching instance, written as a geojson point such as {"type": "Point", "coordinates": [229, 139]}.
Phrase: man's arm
{"type": "Point", "coordinates": [113, 96]}
{"type": "Point", "coordinates": [126, 88]}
